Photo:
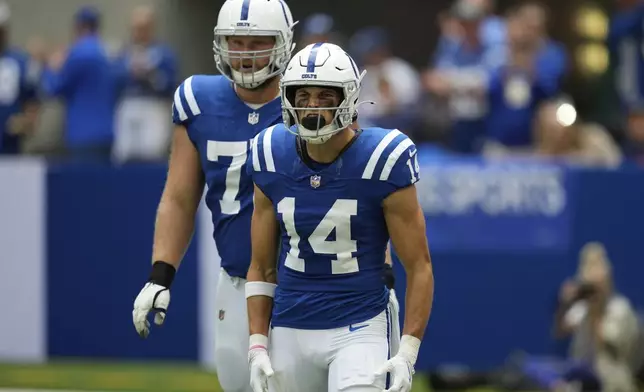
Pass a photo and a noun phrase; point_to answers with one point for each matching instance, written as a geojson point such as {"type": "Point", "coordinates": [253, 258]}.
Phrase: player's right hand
{"type": "Point", "coordinates": [153, 297]}
{"type": "Point", "coordinates": [259, 363]}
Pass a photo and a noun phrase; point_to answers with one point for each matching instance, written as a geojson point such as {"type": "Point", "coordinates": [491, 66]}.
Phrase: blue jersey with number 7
{"type": "Point", "coordinates": [221, 126]}
{"type": "Point", "coordinates": [333, 229]}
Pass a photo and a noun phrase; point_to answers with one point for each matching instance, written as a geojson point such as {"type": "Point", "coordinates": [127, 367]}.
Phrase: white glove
{"type": "Point", "coordinates": [401, 366]}
{"type": "Point", "coordinates": [259, 363]}
{"type": "Point", "coordinates": [152, 297]}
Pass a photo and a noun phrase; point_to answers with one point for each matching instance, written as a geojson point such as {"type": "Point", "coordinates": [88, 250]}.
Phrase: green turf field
{"type": "Point", "coordinates": [117, 377]}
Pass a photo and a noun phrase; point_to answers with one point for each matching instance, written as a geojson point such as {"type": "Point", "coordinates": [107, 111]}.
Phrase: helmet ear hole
{"type": "Point", "coordinates": [290, 94]}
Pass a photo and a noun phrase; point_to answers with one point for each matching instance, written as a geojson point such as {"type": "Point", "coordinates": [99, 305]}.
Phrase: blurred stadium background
{"type": "Point", "coordinates": [530, 131]}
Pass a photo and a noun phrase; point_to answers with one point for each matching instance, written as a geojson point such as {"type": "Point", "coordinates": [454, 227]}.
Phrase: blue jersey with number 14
{"type": "Point", "coordinates": [333, 231]}
{"type": "Point", "coordinates": [221, 126]}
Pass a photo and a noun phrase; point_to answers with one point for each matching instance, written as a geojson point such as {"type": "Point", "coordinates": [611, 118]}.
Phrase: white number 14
{"type": "Point", "coordinates": [413, 169]}
{"type": "Point", "coordinates": [343, 247]}
{"type": "Point", "coordinates": [237, 150]}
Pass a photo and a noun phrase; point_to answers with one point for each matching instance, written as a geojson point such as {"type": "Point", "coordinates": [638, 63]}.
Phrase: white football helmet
{"type": "Point", "coordinates": [324, 65]}
{"type": "Point", "coordinates": [254, 18]}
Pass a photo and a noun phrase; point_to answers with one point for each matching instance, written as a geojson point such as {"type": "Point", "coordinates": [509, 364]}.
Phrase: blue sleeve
{"type": "Point", "coordinates": [185, 106]}
{"type": "Point", "coordinates": [64, 81]}
{"type": "Point", "coordinates": [403, 165]}
{"type": "Point", "coordinates": [444, 55]}
{"type": "Point", "coordinates": [121, 76]}
{"type": "Point", "coordinates": [395, 167]}
{"type": "Point", "coordinates": [257, 166]}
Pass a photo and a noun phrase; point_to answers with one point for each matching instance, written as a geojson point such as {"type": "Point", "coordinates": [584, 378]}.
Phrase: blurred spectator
{"type": "Point", "coordinates": [84, 78]}
{"type": "Point", "coordinates": [605, 334]}
{"type": "Point", "coordinates": [602, 322]}
{"type": "Point", "coordinates": [460, 74]}
{"type": "Point", "coordinates": [147, 72]}
{"type": "Point", "coordinates": [320, 28]}
{"type": "Point", "coordinates": [551, 59]}
{"type": "Point", "coordinates": [18, 80]}
{"type": "Point", "coordinates": [559, 134]}
{"type": "Point", "coordinates": [520, 86]}
{"type": "Point", "coordinates": [390, 81]}
{"type": "Point", "coordinates": [491, 30]}
{"type": "Point", "coordinates": [625, 42]}
{"type": "Point", "coordinates": [493, 27]}
{"type": "Point", "coordinates": [634, 143]}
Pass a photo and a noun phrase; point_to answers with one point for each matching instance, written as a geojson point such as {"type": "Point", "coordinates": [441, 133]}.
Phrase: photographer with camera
{"type": "Point", "coordinates": [602, 323]}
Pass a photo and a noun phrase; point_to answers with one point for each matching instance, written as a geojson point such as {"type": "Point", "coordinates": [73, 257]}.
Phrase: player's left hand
{"type": "Point", "coordinates": [401, 369]}
{"type": "Point", "coordinates": [259, 363]}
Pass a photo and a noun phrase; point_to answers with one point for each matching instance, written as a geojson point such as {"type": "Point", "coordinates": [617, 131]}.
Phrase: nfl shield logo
{"type": "Point", "coordinates": [315, 181]}
{"type": "Point", "coordinates": [253, 118]}
{"type": "Point", "coordinates": [222, 314]}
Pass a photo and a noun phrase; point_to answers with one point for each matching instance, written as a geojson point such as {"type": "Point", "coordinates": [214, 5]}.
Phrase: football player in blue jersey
{"type": "Point", "coordinates": [332, 197]}
{"type": "Point", "coordinates": [18, 85]}
{"type": "Point", "coordinates": [216, 118]}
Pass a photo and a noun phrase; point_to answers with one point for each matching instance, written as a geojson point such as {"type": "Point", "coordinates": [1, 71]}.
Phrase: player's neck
{"type": "Point", "coordinates": [261, 95]}
{"type": "Point", "coordinates": [329, 151]}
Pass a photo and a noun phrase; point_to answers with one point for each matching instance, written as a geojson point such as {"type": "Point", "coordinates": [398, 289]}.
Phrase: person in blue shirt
{"type": "Point", "coordinates": [328, 197]}
{"type": "Point", "coordinates": [18, 90]}
{"type": "Point", "coordinates": [84, 79]}
{"type": "Point", "coordinates": [460, 74]}
{"type": "Point", "coordinates": [552, 55]}
{"type": "Point", "coordinates": [518, 88]}
{"type": "Point", "coordinates": [625, 41]}
{"type": "Point", "coordinates": [147, 73]}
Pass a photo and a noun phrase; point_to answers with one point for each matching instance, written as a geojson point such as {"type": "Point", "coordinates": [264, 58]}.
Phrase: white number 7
{"type": "Point", "coordinates": [238, 151]}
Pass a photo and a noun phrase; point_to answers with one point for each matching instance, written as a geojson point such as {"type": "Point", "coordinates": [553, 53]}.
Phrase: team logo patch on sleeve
{"type": "Point", "coordinates": [222, 314]}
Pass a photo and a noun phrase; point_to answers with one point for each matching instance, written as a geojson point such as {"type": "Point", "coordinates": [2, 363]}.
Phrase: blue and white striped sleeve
{"type": "Point", "coordinates": [261, 159]}
{"type": "Point", "coordinates": [394, 161]}
{"type": "Point", "coordinates": [261, 162]}
{"type": "Point", "coordinates": [184, 106]}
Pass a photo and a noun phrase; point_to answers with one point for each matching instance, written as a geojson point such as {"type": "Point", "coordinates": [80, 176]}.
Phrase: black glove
{"type": "Point", "coordinates": [389, 277]}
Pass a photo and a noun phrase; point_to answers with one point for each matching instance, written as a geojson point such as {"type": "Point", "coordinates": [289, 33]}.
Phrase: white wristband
{"type": "Point", "coordinates": [265, 289]}
{"type": "Point", "coordinates": [257, 341]}
{"type": "Point", "coordinates": [409, 346]}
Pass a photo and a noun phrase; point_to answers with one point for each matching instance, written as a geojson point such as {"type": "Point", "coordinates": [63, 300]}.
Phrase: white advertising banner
{"type": "Point", "coordinates": [23, 225]}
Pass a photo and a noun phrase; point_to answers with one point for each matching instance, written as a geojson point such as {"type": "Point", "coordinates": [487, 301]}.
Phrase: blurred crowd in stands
{"type": "Point", "coordinates": [492, 87]}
